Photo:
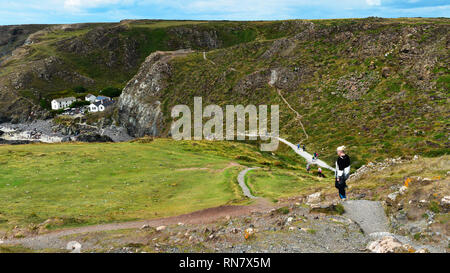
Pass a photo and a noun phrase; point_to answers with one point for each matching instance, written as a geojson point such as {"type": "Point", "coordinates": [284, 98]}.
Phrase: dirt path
{"type": "Point", "coordinates": [369, 215]}
{"type": "Point", "coordinates": [273, 79]}
{"type": "Point", "coordinates": [206, 58]}
{"type": "Point", "coordinates": [306, 155]}
{"type": "Point", "coordinates": [241, 180]}
{"type": "Point", "coordinates": [53, 239]}
{"type": "Point", "coordinates": [302, 153]}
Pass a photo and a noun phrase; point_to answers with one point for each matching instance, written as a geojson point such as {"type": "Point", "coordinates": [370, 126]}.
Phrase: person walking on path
{"type": "Point", "coordinates": [342, 171]}
{"type": "Point", "coordinates": [304, 147]}
{"type": "Point", "coordinates": [319, 172]}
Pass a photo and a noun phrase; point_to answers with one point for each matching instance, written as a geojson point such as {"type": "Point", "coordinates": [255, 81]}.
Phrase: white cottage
{"type": "Point", "coordinates": [100, 106]}
{"type": "Point", "coordinates": [89, 97]}
{"type": "Point", "coordinates": [62, 103]}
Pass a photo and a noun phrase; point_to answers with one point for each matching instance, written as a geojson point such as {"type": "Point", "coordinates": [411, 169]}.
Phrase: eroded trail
{"type": "Point", "coordinates": [306, 155]}
{"type": "Point", "coordinates": [205, 216]}
{"type": "Point", "coordinates": [300, 152]}
{"type": "Point", "coordinates": [241, 181]}
{"type": "Point", "coordinates": [369, 215]}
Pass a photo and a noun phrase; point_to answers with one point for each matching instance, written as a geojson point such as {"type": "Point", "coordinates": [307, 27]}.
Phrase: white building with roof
{"type": "Point", "coordinates": [89, 97]}
{"type": "Point", "coordinates": [62, 103]}
{"type": "Point", "coordinates": [100, 106]}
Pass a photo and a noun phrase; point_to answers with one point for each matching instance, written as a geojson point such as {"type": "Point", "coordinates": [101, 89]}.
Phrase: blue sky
{"type": "Point", "coordinates": [75, 11]}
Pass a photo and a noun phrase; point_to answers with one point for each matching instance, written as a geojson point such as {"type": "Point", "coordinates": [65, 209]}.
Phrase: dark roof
{"type": "Point", "coordinates": [108, 103]}
{"type": "Point", "coordinates": [105, 103]}
{"type": "Point", "coordinates": [103, 98]}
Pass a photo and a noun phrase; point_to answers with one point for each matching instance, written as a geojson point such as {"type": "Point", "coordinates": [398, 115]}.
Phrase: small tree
{"type": "Point", "coordinates": [45, 104]}
{"type": "Point", "coordinates": [79, 103]}
{"type": "Point", "coordinates": [111, 92]}
{"type": "Point", "coordinates": [79, 89]}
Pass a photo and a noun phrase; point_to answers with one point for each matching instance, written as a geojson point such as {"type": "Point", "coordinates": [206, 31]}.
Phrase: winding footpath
{"type": "Point", "coordinates": [241, 181]}
{"type": "Point", "coordinates": [306, 155]}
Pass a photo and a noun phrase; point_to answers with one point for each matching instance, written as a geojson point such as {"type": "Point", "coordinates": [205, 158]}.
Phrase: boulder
{"type": "Point", "coordinates": [445, 201]}
{"type": "Point", "coordinates": [313, 198]}
{"type": "Point", "coordinates": [388, 244]}
{"type": "Point", "coordinates": [74, 247]}
{"type": "Point", "coordinates": [393, 195]}
{"type": "Point", "coordinates": [160, 228]}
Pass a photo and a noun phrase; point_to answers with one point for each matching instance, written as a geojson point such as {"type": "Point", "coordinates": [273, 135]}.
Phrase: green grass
{"type": "Point", "coordinates": [94, 183]}
{"type": "Point", "coordinates": [84, 184]}
{"type": "Point", "coordinates": [280, 183]}
{"type": "Point", "coordinates": [15, 249]}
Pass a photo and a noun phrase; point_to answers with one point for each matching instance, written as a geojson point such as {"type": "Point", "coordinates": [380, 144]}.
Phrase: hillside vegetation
{"type": "Point", "coordinates": [379, 86]}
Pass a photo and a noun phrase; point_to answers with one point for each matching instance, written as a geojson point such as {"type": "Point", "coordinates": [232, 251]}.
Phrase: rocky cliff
{"type": "Point", "coordinates": [140, 103]}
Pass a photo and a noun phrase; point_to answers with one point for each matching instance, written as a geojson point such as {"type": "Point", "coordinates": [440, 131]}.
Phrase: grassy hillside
{"type": "Point", "coordinates": [355, 82]}
{"type": "Point", "coordinates": [379, 86]}
{"type": "Point", "coordinates": [100, 55]}
{"type": "Point", "coordinates": [82, 184]}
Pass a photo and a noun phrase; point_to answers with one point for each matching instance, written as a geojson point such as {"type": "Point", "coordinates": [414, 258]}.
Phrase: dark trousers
{"type": "Point", "coordinates": [341, 185]}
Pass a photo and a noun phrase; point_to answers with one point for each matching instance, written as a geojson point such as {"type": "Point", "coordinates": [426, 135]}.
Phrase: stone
{"type": "Point", "coordinates": [403, 189]}
{"type": "Point", "coordinates": [385, 72]}
{"type": "Point", "coordinates": [160, 228]}
{"type": "Point", "coordinates": [74, 247]}
{"type": "Point", "coordinates": [145, 227]}
{"type": "Point", "coordinates": [414, 229]}
{"type": "Point", "coordinates": [289, 219]}
{"type": "Point", "coordinates": [387, 244]}
{"type": "Point", "coordinates": [393, 195]}
{"type": "Point", "coordinates": [291, 228]}
{"type": "Point", "coordinates": [445, 200]}
{"type": "Point", "coordinates": [313, 198]}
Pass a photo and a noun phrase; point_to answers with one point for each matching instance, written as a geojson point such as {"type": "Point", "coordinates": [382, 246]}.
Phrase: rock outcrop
{"type": "Point", "coordinates": [140, 102]}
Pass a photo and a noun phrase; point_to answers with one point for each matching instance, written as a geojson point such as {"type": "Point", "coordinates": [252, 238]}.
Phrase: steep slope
{"type": "Point", "coordinates": [58, 58]}
{"type": "Point", "coordinates": [14, 36]}
{"type": "Point", "coordinates": [379, 86]}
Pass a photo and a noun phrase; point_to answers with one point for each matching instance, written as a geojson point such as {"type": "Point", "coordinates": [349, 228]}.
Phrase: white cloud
{"type": "Point", "coordinates": [86, 4]}
{"type": "Point", "coordinates": [373, 2]}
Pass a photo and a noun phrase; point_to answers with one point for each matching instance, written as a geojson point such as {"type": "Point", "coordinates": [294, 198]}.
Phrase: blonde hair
{"type": "Point", "coordinates": [341, 148]}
